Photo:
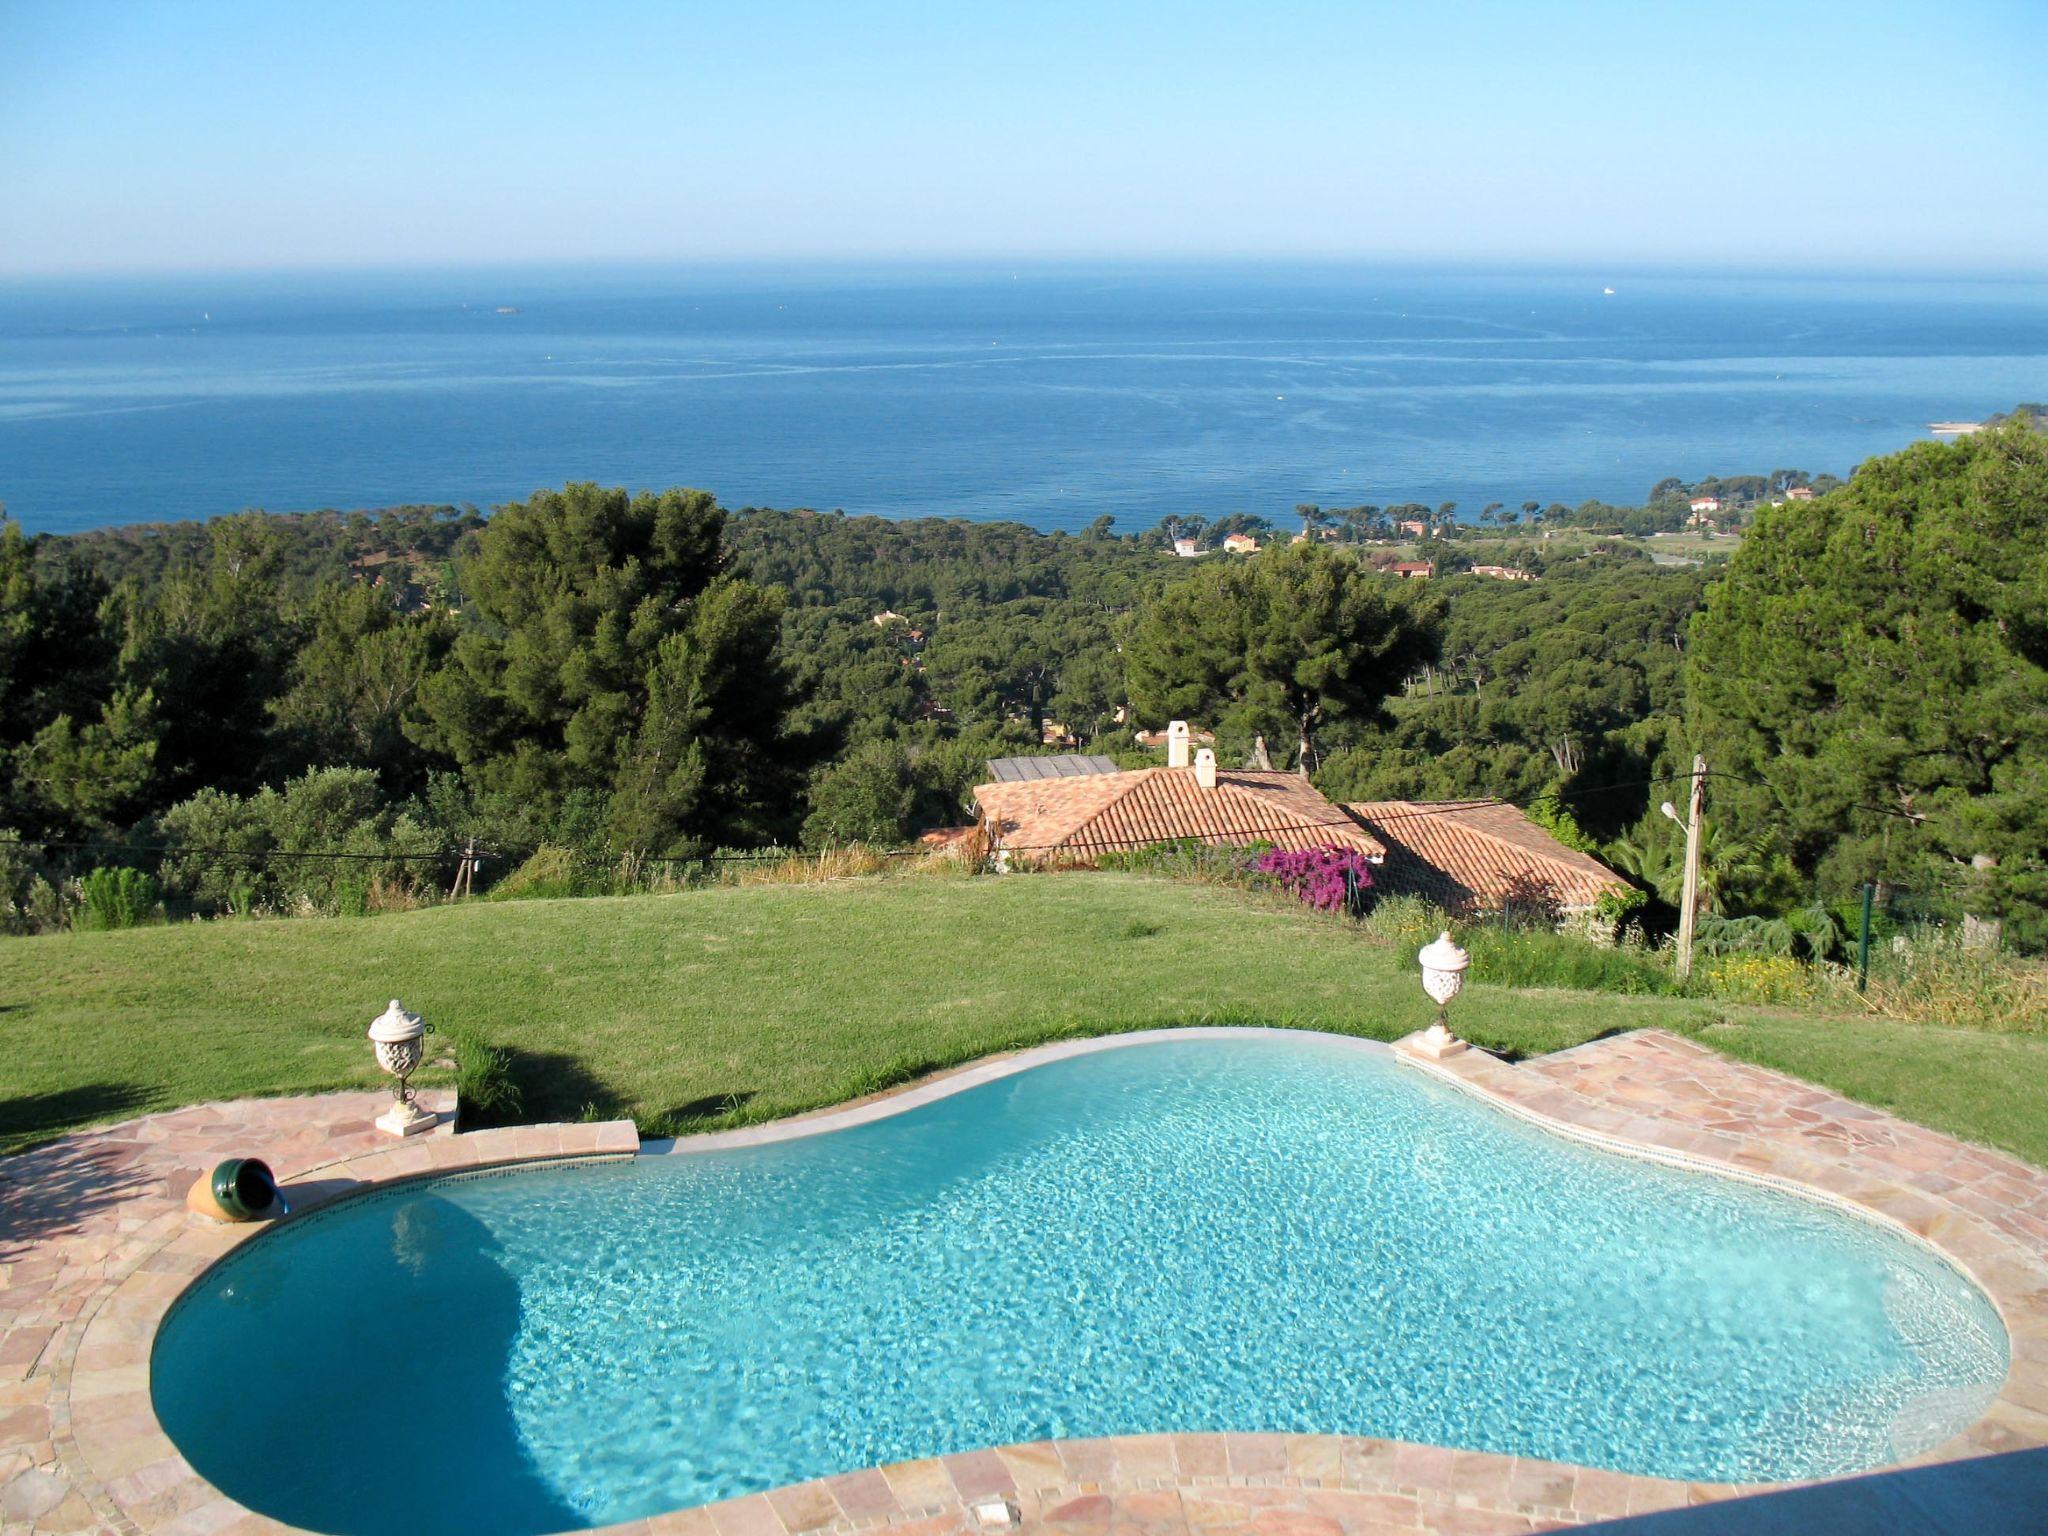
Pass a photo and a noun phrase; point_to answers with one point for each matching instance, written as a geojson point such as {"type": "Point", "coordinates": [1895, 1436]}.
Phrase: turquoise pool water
{"type": "Point", "coordinates": [1270, 1232]}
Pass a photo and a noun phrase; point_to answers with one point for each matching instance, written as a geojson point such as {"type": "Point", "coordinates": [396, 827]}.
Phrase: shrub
{"type": "Point", "coordinates": [384, 895]}
{"type": "Point", "coordinates": [486, 1092]}
{"type": "Point", "coordinates": [1538, 957]}
{"type": "Point", "coordinates": [29, 903]}
{"type": "Point", "coordinates": [248, 844]}
{"type": "Point", "coordinates": [1530, 901]}
{"type": "Point", "coordinates": [1405, 922]}
{"type": "Point", "coordinates": [809, 869]}
{"type": "Point", "coordinates": [117, 898]}
{"type": "Point", "coordinates": [1820, 933]}
{"type": "Point", "coordinates": [350, 895]}
{"type": "Point", "coordinates": [550, 871]}
{"type": "Point", "coordinates": [1756, 978]}
{"type": "Point", "coordinates": [1616, 907]}
{"type": "Point", "coordinates": [868, 796]}
{"type": "Point", "coordinates": [1188, 859]}
{"type": "Point", "coordinates": [1328, 879]}
{"type": "Point", "coordinates": [1763, 936]}
{"type": "Point", "coordinates": [1931, 976]}
{"type": "Point", "coordinates": [42, 907]}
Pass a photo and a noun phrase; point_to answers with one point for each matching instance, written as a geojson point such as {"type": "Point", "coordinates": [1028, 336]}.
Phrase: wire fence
{"type": "Point", "coordinates": [501, 853]}
{"type": "Point", "coordinates": [203, 876]}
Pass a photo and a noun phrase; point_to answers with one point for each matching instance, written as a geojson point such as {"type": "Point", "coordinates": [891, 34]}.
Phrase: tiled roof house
{"type": "Point", "coordinates": [1469, 855]}
{"type": "Point", "coordinates": [1075, 819]}
{"type": "Point", "coordinates": [1479, 854]}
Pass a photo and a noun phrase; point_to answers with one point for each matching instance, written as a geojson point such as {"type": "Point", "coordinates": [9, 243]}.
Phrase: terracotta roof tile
{"type": "Point", "coordinates": [1471, 853]}
{"type": "Point", "coordinates": [1055, 819]}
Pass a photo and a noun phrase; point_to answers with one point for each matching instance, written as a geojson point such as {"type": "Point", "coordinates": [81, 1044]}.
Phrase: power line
{"type": "Point", "coordinates": [506, 852]}
{"type": "Point", "coordinates": [1916, 817]}
{"type": "Point", "coordinates": [445, 856]}
{"type": "Point", "coordinates": [171, 851]}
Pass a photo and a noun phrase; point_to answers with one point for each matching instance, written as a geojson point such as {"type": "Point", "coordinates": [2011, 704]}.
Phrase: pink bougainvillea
{"type": "Point", "coordinates": [1317, 875]}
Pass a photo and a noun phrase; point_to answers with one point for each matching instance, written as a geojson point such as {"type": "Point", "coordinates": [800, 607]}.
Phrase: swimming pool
{"type": "Point", "coordinates": [1265, 1232]}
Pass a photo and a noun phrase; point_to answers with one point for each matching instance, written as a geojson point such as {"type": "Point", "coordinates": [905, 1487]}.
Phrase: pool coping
{"type": "Point", "coordinates": [116, 1454]}
{"type": "Point", "coordinates": [973, 1074]}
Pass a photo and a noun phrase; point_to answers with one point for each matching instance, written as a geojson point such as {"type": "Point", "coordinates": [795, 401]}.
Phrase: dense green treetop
{"type": "Point", "coordinates": [1876, 657]}
{"type": "Point", "coordinates": [1293, 645]}
{"type": "Point", "coordinates": [607, 653]}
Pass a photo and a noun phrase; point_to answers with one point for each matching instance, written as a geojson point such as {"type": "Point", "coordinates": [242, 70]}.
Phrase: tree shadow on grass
{"type": "Point", "coordinates": [553, 1086]}
{"type": "Point", "coordinates": [712, 1106]}
{"type": "Point", "coordinates": [53, 1190]}
{"type": "Point", "coordinates": [26, 1118]}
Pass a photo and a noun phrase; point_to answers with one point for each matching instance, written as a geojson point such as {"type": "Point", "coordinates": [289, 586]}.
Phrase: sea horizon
{"type": "Point", "coordinates": [1047, 393]}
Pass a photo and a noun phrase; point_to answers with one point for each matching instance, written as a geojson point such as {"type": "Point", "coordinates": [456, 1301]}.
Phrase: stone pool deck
{"type": "Point", "coordinates": [95, 1244]}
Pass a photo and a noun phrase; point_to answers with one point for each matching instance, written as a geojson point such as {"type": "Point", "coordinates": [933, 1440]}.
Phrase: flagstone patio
{"type": "Point", "coordinates": [95, 1244]}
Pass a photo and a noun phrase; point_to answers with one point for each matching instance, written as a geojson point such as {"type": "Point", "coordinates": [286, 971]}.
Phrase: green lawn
{"type": "Point", "coordinates": [728, 1005]}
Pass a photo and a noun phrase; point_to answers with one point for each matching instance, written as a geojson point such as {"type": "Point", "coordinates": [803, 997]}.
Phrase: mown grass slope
{"type": "Point", "coordinates": [728, 1005]}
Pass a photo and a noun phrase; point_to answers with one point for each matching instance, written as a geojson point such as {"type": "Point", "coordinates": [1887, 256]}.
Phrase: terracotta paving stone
{"type": "Point", "coordinates": [805, 1507]}
{"type": "Point", "coordinates": [1423, 1466]}
{"type": "Point", "coordinates": [918, 1484]}
{"type": "Point", "coordinates": [1206, 1508]}
{"type": "Point", "coordinates": [1370, 1463]}
{"type": "Point", "coordinates": [1477, 1475]}
{"type": "Point", "coordinates": [95, 1245]}
{"type": "Point", "coordinates": [1351, 1508]}
{"type": "Point", "coordinates": [1089, 1461]}
{"type": "Point", "coordinates": [1089, 1508]}
{"type": "Point", "coordinates": [1037, 1465]}
{"type": "Point", "coordinates": [1256, 1455]}
{"type": "Point", "coordinates": [1150, 1507]}
{"type": "Point", "coordinates": [1201, 1455]}
{"type": "Point", "coordinates": [682, 1522]}
{"type": "Point", "coordinates": [979, 1474]}
{"type": "Point", "coordinates": [1315, 1458]}
{"type": "Point", "coordinates": [1542, 1485]}
{"type": "Point", "coordinates": [1295, 1522]}
{"type": "Point", "coordinates": [750, 1516]}
{"type": "Point", "coordinates": [864, 1495]}
{"type": "Point", "coordinates": [1140, 1458]}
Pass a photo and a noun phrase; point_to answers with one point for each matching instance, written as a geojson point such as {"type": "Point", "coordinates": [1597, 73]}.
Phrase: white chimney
{"type": "Point", "coordinates": [1205, 768]}
{"type": "Point", "coordinates": [1177, 738]}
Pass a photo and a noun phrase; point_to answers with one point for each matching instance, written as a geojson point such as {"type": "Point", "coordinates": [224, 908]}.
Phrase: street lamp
{"type": "Point", "coordinates": [1443, 978]}
{"type": "Point", "coordinates": [400, 1041]}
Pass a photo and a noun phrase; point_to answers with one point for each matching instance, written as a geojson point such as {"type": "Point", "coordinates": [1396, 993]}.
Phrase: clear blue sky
{"type": "Point", "coordinates": [151, 135]}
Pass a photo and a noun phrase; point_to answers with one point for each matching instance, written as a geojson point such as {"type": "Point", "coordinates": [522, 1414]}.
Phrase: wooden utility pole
{"type": "Point", "coordinates": [1689, 903]}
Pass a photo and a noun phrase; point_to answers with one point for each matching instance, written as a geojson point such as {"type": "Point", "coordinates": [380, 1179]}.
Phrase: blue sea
{"type": "Point", "coordinates": [1048, 395]}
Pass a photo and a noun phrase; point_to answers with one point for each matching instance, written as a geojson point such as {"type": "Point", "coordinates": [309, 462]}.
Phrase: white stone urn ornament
{"type": "Point", "coordinates": [400, 1041]}
{"type": "Point", "coordinates": [1443, 978]}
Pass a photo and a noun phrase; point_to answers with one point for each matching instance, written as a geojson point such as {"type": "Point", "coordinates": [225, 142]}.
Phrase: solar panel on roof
{"type": "Point", "coordinates": [1069, 765]}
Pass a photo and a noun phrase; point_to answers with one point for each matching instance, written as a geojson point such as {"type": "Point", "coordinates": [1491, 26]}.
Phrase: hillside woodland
{"type": "Point", "coordinates": [653, 677]}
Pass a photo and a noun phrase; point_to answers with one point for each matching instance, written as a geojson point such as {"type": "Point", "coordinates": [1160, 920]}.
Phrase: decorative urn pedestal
{"type": "Point", "coordinates": [1443, 978]}
{"type": "Point", "coordinates": [399, 1038]}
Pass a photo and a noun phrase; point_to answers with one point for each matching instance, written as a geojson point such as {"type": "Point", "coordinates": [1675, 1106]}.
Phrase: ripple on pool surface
{"type": "Point", "coordinates": [1272, 1233]}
